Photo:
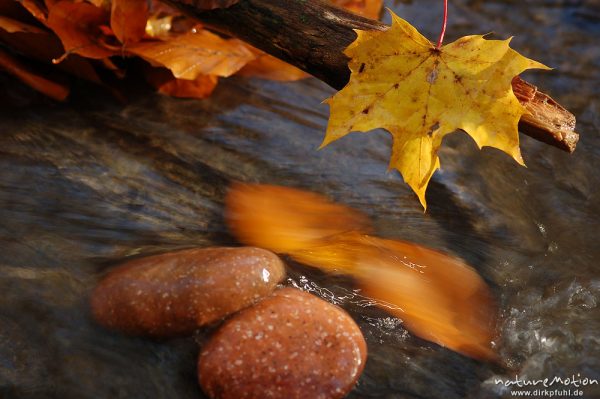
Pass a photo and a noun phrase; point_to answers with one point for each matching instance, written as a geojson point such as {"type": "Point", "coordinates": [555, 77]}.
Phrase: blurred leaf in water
{"type": "Point", "coordinates": [285, 219]}
{"type": "Point", "coordinates": [438, 297]}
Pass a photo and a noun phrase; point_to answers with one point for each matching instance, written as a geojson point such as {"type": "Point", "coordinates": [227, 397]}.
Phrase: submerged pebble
{"type": "Point", "coordinates": [290, 345]}
{"type": "Point", "coordinates": [177, 292]}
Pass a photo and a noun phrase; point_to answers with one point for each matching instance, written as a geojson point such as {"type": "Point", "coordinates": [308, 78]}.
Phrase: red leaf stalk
{"type": "Point", "coordinates": [443, 32]}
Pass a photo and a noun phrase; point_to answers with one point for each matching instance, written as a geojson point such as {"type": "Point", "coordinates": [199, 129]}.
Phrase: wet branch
{"type": "Point", "coordinates": [312, 35]}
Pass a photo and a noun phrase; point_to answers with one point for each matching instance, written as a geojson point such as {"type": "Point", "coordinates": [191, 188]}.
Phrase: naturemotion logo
{"type": "Point", "coordinates": [556, 386]}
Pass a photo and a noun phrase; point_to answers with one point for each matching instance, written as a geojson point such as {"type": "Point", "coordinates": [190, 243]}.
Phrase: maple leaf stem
{"type": "Point", "coordinates": [443, 31]}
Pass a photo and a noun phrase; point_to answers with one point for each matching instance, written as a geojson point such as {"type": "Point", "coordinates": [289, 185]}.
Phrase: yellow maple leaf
{"type": "Point", "coordinates": [401, 82]}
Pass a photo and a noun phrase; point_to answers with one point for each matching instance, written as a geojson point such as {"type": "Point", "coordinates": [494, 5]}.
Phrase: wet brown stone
{"type": "Point", "coordinates": [177, 292]}
{"type": "Point", "coordinates": [290, 345]}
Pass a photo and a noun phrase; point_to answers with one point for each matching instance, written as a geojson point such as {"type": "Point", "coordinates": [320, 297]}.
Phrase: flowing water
{"type": "Point", "coordinates": [87, 184]}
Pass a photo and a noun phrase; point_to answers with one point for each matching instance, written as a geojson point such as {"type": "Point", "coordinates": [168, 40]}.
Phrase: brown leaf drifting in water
{"type": "Point", "coordinates": [51, 88]}
{"type": "Point", "coordinates": [195, 53]}
{"type": "Point", "coordinates": [78, 27]}
{"type": "Point", "coordinates": [128, 20]}
{"type": "Point", "coordinates": [285, 219]}
{"type": "Point", "coordinates": [439, 297]}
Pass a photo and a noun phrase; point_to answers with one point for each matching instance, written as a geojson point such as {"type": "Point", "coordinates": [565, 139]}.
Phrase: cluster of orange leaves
{"type": "Point", "coordinates": [44, 41]}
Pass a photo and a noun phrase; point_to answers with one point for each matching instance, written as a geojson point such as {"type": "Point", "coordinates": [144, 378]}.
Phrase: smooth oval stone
{"type": "Point", "coordinates": [290, 345]}
{"type": "Point", "coordinates": [177, 292]}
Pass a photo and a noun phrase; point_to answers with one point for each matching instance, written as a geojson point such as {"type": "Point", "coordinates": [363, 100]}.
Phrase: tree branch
{"type": "Point", "coordinates": [312, 34]}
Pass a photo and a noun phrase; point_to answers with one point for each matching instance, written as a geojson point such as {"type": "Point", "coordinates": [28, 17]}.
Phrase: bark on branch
{"type": "Point", "coordinates": [312, 35]}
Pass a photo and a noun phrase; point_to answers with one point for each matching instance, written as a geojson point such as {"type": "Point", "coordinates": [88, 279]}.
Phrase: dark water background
{"type": "Point", "coordinates": [87, 184]}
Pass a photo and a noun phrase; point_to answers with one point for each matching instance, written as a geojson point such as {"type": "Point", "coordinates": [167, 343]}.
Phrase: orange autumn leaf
{"type": "Point", "coordinates": [78, 27]}
{"type": "Point", "coordinates": [128, 19]}
{"type": "Point", "coordinates": [195, 53]}
{"type": "Point", "coordinates": [51, 88]}
{"type": "Point", "coordinates": [164, 81]}
{"type": "Point", "coordinates": [89, 28]}
{"type": "Point", "coordinates": [438, 297]}
{"type": "Point", "coordinates": [43, 46]}
{"type": "Point", "coordinates": [266, 66]}
{"type": "Point", "coordinates": [284, 219]}
{"type": "Point", "coordinates": [366, 8]}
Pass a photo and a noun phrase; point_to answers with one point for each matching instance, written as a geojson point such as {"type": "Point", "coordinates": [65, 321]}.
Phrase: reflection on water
{"type": "Point", "coordinates": [85, 185]}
